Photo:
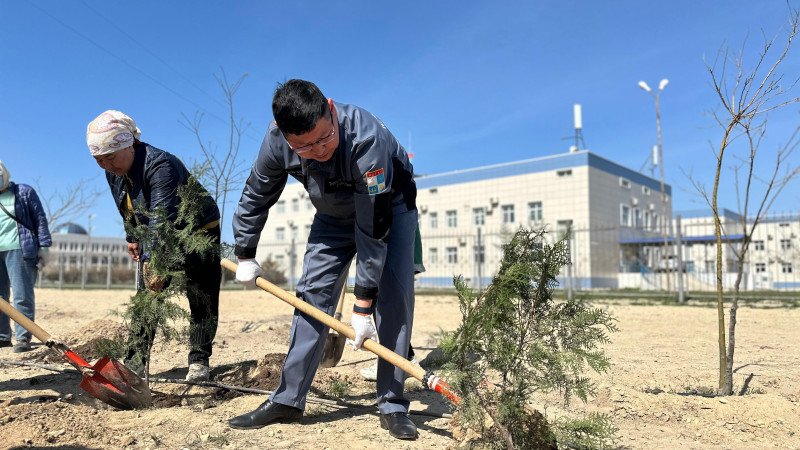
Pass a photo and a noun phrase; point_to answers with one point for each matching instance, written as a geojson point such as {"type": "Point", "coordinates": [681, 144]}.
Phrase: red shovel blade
{"type": "Point", "coordinates": [113, 383]}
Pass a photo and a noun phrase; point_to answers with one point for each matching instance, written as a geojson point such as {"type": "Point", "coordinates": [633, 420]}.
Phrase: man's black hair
{"type": "Point", "coordinates": [297, 106]}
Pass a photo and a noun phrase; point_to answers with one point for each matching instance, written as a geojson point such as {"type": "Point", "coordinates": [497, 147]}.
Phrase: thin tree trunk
{"type": "Point", "coordinates": [727, 388]}
{"type": "Point", "coordinates": [718, 230]}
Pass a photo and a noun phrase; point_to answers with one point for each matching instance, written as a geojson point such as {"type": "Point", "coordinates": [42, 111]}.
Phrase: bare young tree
{"type": "Point", "coordinates": [747, 96]}
{"type": "Point", "coordinates": [221, 172]}
{"type": "Point", "coordinates": [67, 203]}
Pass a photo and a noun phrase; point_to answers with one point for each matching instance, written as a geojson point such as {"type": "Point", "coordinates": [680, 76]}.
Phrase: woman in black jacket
{"type": "Point", "coordinates": [140, 174]}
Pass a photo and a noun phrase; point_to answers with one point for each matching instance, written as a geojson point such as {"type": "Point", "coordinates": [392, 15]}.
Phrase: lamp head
{"type": "Point", "coordinates": [644, 86]}
{"type": "Point", "coordinates": [663, 84]}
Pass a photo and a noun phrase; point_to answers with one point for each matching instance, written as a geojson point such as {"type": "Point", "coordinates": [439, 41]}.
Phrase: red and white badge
{"type": "Point", "coordinates": [376, 182]}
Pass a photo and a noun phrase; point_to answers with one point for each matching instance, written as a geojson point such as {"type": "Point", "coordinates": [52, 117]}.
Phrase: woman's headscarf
{"type": "Point", "coordinates": [5, 177]}
{"type": "Point", "coordinates": [111, 131]}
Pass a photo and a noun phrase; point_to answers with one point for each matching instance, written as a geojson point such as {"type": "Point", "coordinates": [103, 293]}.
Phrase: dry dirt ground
{"type": "Point", "coordinates": [663, 360]}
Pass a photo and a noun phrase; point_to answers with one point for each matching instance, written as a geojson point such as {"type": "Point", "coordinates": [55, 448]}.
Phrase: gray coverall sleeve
{"type": "Point", "coordinates": [262, 189]}
{"type": "Point", "coordinates": [373, 204]}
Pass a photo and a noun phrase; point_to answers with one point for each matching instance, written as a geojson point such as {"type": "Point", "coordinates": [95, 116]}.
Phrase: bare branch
{"type": "Point", "coordinates": [68, 202]}
{"type": "Point", "coordinates": [221, 172]}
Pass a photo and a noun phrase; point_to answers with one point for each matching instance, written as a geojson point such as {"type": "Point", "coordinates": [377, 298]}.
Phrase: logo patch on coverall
{"type": "Point", "coordinates": [376, 182]}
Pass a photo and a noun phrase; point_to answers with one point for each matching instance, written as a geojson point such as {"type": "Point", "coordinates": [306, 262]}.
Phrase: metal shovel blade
{"type": "Point", "coordinates": [115, 384]}
{"type": "Point", "coordinates": [332, 352]}
{"type": "Point", "coordinates": [334, 343]}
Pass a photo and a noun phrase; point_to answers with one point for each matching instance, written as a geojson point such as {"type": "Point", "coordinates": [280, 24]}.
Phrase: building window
{"type": "Point", "coordinates": [534, 211]}
{"type": "Point", "coordinates": [281, 207]}
{"type": "Point", "coordinates": [451, 255]}
{"type": "Point", "coordinates": [761, 267]}
{"type": "Point", "coordinates": [508, 213]}
{"type": "Point", "coordinates": [783, 224]}
{"type": "Point", "coordinates": [294, 232]}
{"type": "Point", "coordinates": [711, 266]}
{"type": "Point", "coordinates": [625, 183]}
{"type": "Point", "coordinates": [479, 216]}
{"type": "Point", "coordinates": [433, 220]}
{"type": "Point", "coordinates": [786, 244]}
{"type": "Point", "coordinates": [280, 234]}
{"type": "Point", "coordinates": [279, 261]}
{"type": "Point", "coordinates": [625, 215]}
{"type": "Point", "coordinates": [758, 245]}
{"type": "Point", "coordinates": [645, 190]}
{"type": "Point", "coordinates": [786, 267]}
{"type": "Point", "coordinates": [295, 205]}
{"type": "Point", "coordinates": [433, 255]}
{"type": "Point", "coordinates": [655, 226]}
{"type": "Point", "coordinates": [564, 173]}
{"type": "Point", "coordinates": [309, 205]}
{"type": "Point", "coordinates": [637, 218]}
{"type": "Point", "coordinates": [452, 218]}
{"type": "Point", "coordinates": [308, 230]}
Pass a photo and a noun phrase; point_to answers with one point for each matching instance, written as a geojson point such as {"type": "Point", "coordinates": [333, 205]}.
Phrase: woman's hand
{"type": "Point", "coordinates": [133, 251]}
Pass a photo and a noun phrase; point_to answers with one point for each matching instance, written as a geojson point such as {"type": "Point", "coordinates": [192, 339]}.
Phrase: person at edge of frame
{"type": "Point", "coordinates": [23, 232]}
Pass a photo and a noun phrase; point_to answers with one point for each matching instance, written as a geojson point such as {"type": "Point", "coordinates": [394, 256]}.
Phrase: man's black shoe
{"type": "Point", "coordinates": [399, 425]}
{"type": "Point", "coordinates": [5, 343]}
{"type": "Point", "coordinates": [265, 414]}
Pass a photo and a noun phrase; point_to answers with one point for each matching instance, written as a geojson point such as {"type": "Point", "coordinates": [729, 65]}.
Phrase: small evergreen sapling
{"type": "Point", "coordinates": [515, 335]}
{"type": "Point", "coordinates": [168, 243]}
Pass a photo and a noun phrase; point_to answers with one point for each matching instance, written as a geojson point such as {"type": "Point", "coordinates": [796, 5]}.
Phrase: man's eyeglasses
{"type": "Point", "coordinates": [325, 140]}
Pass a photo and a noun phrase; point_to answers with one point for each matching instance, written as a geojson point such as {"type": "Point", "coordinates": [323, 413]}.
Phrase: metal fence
{"type": "Point", "coordinates": [607, 257]}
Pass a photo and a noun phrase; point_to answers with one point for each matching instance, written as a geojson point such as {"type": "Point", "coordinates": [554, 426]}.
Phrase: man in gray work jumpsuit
{"type": "Point", "coordinates": [361, 183]}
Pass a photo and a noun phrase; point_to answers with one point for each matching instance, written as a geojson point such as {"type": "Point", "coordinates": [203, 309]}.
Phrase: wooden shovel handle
{"type": "Point", "coordinates": [369, 344]}
{"type": "Point", "coordinates": [26, 323]}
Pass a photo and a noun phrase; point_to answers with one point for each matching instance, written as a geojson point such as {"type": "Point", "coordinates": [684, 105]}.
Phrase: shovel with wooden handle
{"type": "Point", "coordinates": [429, 380]}
{"type": "Point", "coordinates": [334, 343]}
{"type": "Point", "coordinates": [107, 380]}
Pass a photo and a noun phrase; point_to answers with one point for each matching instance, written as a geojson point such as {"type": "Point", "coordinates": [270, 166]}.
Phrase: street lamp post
{"type": "Point", "coordinates": [86, 251]}
{"type": "Point", "coordinates": [664, 217]}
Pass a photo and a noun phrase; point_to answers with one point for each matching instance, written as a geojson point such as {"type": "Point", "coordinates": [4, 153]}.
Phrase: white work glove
{"type": "Point", "coordinates": [364, 328]}
{"type": "Point", "coordinates": [248, 271]}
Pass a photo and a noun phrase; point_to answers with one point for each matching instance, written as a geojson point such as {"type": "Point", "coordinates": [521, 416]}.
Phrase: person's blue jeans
{"type": "Point", "coordinates": [17, 274]}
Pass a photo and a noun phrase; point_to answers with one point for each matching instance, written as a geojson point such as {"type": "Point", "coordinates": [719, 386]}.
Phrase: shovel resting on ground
{"type": "Point", "coordinates": [334, 344]}
{"type": "Point", "coordinates": [108, 380]}
{"type": "Point", "coordinates": [429, 380]}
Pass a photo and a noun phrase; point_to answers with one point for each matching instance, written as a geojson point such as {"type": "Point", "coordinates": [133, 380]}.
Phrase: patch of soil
{"type": "Point", "coordinates": [82, 342]}
{"type": "Point", "coordinates": [263, 374]}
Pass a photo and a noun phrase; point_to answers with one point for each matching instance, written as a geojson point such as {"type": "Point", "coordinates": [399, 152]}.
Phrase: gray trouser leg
{"type": "Point", "coordinates": [395, 310]}
{"type": "Point", "coordinates": [329, 251]}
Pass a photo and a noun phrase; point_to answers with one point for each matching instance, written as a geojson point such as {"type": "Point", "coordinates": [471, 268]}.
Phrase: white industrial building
{"type": "Point", "coordinates": [602, 201]}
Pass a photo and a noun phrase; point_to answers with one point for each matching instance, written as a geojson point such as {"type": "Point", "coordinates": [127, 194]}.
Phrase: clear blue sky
{"type": "Point", "coordinates": [473, 83]}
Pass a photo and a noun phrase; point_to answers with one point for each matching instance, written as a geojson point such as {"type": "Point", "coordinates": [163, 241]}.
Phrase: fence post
{"type": "Point", "coordinates": [108, 270]}
{"type": "Point", "coordinates": [679, 237]}
{"type": "Point", "coordinates": [569, 266]}
{"type": "Point", "coordinates": [61, 271]}
{"type": "Point", "coordinates": [292, 262]}
{"type": "Point", "coordinates": [480, 261]}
